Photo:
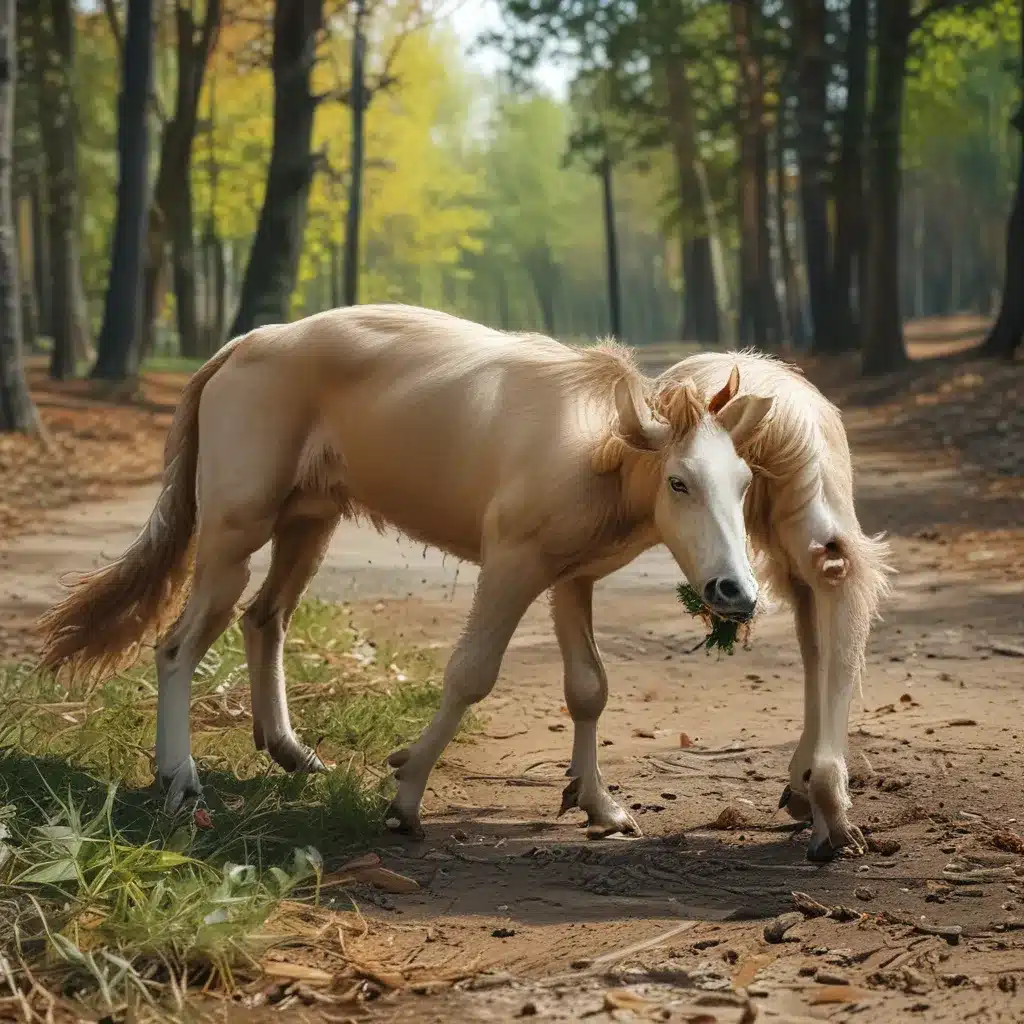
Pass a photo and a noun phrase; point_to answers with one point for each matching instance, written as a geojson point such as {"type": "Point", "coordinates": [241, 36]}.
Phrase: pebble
{"type": "Point", "coordinates": [775, 930]}
{"type": "Point", "coordinates": [862, 892]}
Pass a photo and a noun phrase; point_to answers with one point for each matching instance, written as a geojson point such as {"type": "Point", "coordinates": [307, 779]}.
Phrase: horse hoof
{"type": "Point", "coordinates": [403, 824]}
{"type": "Point", "coordinates": [181, 788]}
{"type": "Point", "coordinates": [845, 837]}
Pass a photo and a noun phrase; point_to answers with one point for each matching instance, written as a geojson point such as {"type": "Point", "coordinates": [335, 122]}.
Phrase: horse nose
{"type": "Point", "coordinates": [724, 594]}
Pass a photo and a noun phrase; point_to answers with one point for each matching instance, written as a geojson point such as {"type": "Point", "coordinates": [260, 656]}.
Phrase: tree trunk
{"type": "Point", "coordinates": [812, 149]}
{"type": "Point", "coordinates": [540, 265]}
{"type": "Point", "coordinates": [17, 411]}
{"type": "Point", "coordinates": [118, 349]}
{"type": "Point", "coordinates": [183, 255]}
{"type": "Point", "coordinates": [172, 199]}
{"type": "Point", "coordinates": [759, 317]}
{"type": "Point", "coordinates": [40, 258]}
{"type": "Point", "coordinates": [1008, 330]}
{"type": "Point", "coordinates": [358, 100]}
{"type": "Point", "coordinates": [849, 247]}
{"type": "Point", "coordinates": [54, 62]}
{"type": "Point", "coordinates": [790, 284]}
{"type": "Point", "coordinates": [882, 325]}
{"type": "Point", "coordinates": [274, 258]}
{"type": "Point", "coordinates": [700, 300]}
{"type": "Point", "coordinates": [611, 249]}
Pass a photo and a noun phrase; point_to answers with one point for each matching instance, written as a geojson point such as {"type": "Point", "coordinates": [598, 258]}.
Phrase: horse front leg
{"type": "Point", "coordinates": [586, 694]}
{"type": "Point", "coordinates": [505, 589]}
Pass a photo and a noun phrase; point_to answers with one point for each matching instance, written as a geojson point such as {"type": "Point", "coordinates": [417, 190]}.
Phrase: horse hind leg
{"type": "Point", "coordinates": [221, 574]}
{"type": "Point", "coordinates": [300, 543]}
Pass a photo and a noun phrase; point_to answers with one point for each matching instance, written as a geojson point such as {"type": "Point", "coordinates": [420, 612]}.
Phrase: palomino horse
{"type": "Point", "coordinates": [549, 466]}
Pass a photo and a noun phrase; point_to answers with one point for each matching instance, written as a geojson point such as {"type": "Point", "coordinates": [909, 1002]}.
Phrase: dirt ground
{"type": "Point", "coordinates": [929, 925]}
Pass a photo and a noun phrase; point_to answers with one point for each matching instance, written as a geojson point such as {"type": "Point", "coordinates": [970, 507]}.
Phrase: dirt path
{"type": "Point", "coordinates": [936, 754]}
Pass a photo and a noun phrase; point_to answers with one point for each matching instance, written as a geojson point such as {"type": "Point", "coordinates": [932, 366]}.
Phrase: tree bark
{"type": "Point", "coordinates": [700, 300]}
{"type": "Point", "coordinates": [540, 265]}
{"type": "Point", "coordinates": [812, 149]}
{"type": "Point", "coordinates": [759, 312]}
{"type": "Point", "coordinates": [1008, 331]}
{"type": "Point", "coordinates": [172, 196]}
{"type": "Point", "coordinates": [790, 284]}
{"type": "Point", "coordinates": [118, 357]}
{"type": "Point", "coordinates": [849, 245]}
{"type": "Point", "coordinates": [54, 63]}
{"type": "Point", "coordinates": [358, 102]}
{"type": "Point", "coordinates": [274, 259]}
{"type": "Point", "coordinates": [17, 411]}
{"type": "Point", "coordinates": [611, 249]}
{"type": "Point", "coordinates": [40, 258]}
{"type": "Point", "coordinates": [882, 326]}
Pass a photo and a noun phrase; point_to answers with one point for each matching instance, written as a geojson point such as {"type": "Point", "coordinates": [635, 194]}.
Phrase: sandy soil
{"type": "Point", "coordinates": [937, 760]}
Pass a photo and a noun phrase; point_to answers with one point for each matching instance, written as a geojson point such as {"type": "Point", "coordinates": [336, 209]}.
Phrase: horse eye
{"type": "Point", "coordinates": [677, 485]}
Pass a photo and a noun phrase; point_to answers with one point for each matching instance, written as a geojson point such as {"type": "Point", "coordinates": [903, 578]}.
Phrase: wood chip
{"type": "Point", "coordinates": [387, 880]}
{"type": "Point", "coordinates": [837, 994]}
{"type": "Point", "coordinates": [296, 972]}
{"type": "Point", "coordinates": [809, 906]}
{"type": "Point", "coordinates": [951, 933]}
{"type": "Point", "coordinates": [1006, 840]}
{"type": "Point", "coordinates": [624, 999]}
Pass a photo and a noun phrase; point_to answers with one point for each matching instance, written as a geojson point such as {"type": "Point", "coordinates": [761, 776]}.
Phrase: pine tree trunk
{"type": "Point", "coordinates": [700, 300]}
{"type": "Point", "coordinates": [759, 315]}
{"type": "Point", "coordinates": [54, 62]}
{"type": "Point", "coordinates": [812, 148]}
{"type": "Point", "coordinates": [882, 326]}
{"type": "Point", "coordinates": [849, 247]}
{"type": "Point", "coordinates": [274, 259]}
{"type": "Point", "coordinates": [40, 258]}
{"type": "Point", "coordinates": [358, 102]}
{"type": "Point", "coordinates": [118, 358]}
{"type": "Point", "coordinates": [183, 257]}
{"type": "Point", "coordinates": [172, 195]}
{"type": "Point", "coordinates": [17, 411]}
{"type": "Point", "coordinates": [611, 250]}
{"type": "Point", "coordinates": [790, 284]}
{"type": "Point", "coordinates": [1008, 331]}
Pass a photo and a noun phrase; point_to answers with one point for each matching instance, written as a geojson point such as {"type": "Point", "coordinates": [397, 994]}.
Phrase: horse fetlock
{"type": "Point", "coordinates": [830, 805]}
{"type": "Point", "coordinates": [181, 787]}
{"type": "Point", "coordinates": [404, 820]}
{"type": "Point", "coordinates": [605, 817]}
{"type": "Point", "coordinates": [293, 755]}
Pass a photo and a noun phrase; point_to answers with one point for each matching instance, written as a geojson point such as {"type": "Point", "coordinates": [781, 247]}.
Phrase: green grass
{"type": "Point", "coordinates": [105, 894]}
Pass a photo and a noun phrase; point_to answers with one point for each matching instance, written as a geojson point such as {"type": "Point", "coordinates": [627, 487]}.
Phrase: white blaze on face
{"type": "Point", "coordinates": [699, 514]}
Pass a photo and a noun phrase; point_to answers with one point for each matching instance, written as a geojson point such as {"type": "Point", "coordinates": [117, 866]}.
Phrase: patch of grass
{"type": "Point", "coordinates": [105, 894]}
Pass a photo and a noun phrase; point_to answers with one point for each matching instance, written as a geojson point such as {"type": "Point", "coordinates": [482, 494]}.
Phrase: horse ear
{"type": "Point", "coordinates": [727, 394]}
{"type": "Point", "coordinates": [740, 418]}
{"type": "Point", "coordinates": [636, 426]}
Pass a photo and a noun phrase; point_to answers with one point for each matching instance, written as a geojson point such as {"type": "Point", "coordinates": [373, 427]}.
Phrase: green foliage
{"type": "Point", "coordinates": [722, 633]}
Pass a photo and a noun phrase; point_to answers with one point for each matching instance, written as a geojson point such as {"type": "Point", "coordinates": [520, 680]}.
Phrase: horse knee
{"type": "Point", "coordinates": [586, 693]}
